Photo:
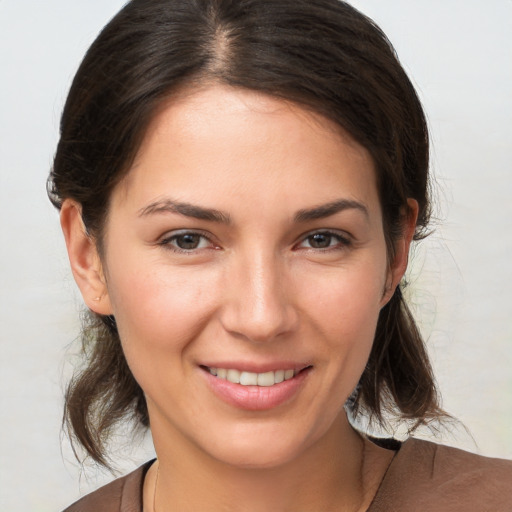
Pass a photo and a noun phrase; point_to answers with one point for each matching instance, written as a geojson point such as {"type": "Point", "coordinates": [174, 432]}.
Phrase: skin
{"type": "Point", "coordinates": [254, 289]}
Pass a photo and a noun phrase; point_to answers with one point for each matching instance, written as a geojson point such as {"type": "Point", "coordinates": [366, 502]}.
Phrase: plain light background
{"type": "Point", "coordinates": [459, 55]}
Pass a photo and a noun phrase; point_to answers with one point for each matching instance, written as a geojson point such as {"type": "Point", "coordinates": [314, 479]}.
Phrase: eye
{"type": "Point", "coordinates": [186, 241]}
{"type": "Point", "coordinates": [324, 240]}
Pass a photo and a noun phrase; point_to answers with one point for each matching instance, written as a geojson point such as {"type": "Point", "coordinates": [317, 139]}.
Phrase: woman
{"type": "Point", "coordinates": [239, 184]}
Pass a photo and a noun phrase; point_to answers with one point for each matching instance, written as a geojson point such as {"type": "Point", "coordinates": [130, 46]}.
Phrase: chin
{"type": "Point", "coordinates": [264, 449]}
{"type": "Point", "coordinates": [257, 457]}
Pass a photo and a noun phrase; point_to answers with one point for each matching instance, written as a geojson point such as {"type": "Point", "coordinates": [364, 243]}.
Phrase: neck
{"type": "Point", "coordinates": [340, 471]}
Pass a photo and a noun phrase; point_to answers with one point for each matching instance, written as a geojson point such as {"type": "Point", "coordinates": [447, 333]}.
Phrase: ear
{"type": "Point", "coordinates": [398, 266]}
{"type": "Point", "coordinates": [84, 259]}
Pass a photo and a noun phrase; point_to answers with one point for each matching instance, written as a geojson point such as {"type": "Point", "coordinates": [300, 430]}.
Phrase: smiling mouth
{"type": "Point", "coordinates": [266, 379]}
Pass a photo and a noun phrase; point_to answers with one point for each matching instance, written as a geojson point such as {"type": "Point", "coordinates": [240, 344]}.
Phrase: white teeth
{"type": "Point", "coordinates": [278, 376]}
{"type": "Point", "coordinates": [266, 379]}
{"type": "Point", "coordinates": [249, 379]}
{"type": "Point", "coordinates": [233, 376]}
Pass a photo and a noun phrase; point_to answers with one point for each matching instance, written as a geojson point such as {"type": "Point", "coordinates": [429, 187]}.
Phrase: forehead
{"type": "Point", "coordinates": [219, 143]}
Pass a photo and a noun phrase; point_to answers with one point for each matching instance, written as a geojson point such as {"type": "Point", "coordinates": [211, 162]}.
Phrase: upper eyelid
{"type": "Point", "coordinates": [334, 232]}
{"type": "Point", "coordinates": [344, 241]}
{"type": "Point", "coordinates": [168, 241]}
{"type": "Point", "coordinates": [169, 235]}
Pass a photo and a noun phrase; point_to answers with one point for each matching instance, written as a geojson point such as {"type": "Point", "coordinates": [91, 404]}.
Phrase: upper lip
{"type": "Point", "coordinates": [254, 367]}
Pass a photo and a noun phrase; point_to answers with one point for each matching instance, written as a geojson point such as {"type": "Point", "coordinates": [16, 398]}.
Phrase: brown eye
{"type": "Point", "coordinates": [188, 241]}
{"type": "Point", "coordinates": [325, 240]}
{"type": "Point", "coordinates": [320, 240]}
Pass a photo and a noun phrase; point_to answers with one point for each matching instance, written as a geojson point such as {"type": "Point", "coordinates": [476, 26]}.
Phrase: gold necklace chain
{"type": "Point", "coordinates": [156, 484]}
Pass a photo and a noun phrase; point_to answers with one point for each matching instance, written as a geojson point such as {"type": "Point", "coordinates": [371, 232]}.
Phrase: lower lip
{"type": "Point", "coordinates": [256, 398]}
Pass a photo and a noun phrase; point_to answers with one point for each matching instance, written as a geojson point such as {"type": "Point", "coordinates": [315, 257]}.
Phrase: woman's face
{"type": "Point", "coordinates": [246, 242]}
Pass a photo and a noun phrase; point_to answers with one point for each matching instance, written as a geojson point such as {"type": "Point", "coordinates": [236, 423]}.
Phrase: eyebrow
{"type": "Point", "coordinates": [186, 209]}
{"type": "Point", "coordinates": [326, 210]}
{"type": "Point", "coordinates": [213, 215]}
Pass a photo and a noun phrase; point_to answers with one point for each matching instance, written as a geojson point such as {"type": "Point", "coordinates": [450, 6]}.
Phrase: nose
{"type": "Point", "coordinates": [259, 303]}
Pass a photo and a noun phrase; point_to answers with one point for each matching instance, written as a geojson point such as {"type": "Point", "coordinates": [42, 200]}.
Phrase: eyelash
{"type": "Point", "coordinates": [167, 242]}
{"type": "Point", "coordinates": [343, 242]}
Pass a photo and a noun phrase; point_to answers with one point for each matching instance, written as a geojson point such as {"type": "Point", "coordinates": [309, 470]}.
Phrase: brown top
{"type": "Point", "coordinates": [423, 476]}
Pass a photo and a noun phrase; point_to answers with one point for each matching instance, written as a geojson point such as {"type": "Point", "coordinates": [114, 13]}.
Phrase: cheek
{"type": "Point", "coordinates": [158, 306]}
{"type": "Point", "coordinates": [344, 309]}
{"type": "Point", "coordinates": [346, 299]}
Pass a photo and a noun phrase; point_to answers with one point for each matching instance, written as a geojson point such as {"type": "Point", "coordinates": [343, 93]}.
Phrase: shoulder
{"type": "Point", "coordinates": [121, 495]}
{"type": "Point", "coordinates": [429, 476]}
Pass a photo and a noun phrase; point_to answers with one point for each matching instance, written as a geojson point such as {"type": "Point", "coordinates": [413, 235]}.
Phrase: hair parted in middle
{"type": "Point", "coordinates": [321, 54]}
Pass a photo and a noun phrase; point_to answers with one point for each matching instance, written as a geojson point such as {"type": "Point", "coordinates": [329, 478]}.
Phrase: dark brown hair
{"type": "Point", "coordinates": [322, 54]}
